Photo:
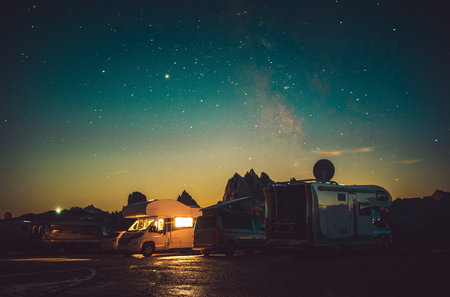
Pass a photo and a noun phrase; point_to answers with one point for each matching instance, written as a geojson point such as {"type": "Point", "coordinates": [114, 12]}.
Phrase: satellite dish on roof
{"type": "Point", "coordinates": [323, 170]}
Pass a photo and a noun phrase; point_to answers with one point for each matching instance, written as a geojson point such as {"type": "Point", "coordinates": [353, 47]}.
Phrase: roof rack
{"type": "Point", "coordinates": [293, 181]}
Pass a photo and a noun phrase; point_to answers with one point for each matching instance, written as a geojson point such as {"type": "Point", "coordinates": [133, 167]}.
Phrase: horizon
{"type": "Point", "coordinates": [102, 99]}
{"type": "Point", "coordinates": [148, 199]}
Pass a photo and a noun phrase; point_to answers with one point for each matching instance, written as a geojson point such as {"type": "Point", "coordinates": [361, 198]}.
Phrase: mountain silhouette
{"type": "Point", "coordinates": [187, 199]}
{"type": "Point", "coordinates": [249, 185]}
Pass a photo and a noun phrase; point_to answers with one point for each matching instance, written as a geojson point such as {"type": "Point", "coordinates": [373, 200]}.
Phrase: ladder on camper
{"type": "Point", "coordinates": [273, 212]}
{"type": "Point", "coordinates": [279, 227]}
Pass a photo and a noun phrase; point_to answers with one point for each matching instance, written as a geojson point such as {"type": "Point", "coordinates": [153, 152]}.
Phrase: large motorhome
{"type": "Point", "coordinates": [160, 225]}
{"type": "Point", "coordinates": [322, 213]}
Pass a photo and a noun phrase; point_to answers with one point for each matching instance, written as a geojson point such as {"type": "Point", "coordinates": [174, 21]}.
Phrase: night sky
{"type": "Point", "coordinates": [103, 98]}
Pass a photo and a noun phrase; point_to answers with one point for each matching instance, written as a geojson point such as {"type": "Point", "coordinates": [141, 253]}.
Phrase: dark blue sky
{"type": "Point", "coordinates": [102, 98]}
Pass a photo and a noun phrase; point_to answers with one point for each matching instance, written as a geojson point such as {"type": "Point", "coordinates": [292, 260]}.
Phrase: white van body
{"type": "Point", "coordinates": [304, 213]}
{"type": "Point", "coordinates": [160, 225]}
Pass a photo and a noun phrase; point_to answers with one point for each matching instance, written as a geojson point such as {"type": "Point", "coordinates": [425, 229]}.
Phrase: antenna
{"type": "Point", "coordinates": [323, 170]}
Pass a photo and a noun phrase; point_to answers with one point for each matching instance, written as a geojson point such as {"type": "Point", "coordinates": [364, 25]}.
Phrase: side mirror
{"type": "Point", "coordinates": [152, 229]}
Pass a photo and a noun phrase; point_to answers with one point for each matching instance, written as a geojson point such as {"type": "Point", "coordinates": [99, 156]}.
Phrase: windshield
{"type": "Point", "coordinates": [141, 224]}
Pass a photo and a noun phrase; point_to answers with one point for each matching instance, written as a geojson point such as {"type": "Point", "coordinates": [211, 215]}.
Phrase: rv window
{"type": "Point", "coordinates": [236, 222]}
{"type": "Point", "coordinates": [205, 222]}
{"type": "Point", "coordinates": [364, 209]}
{"type": "Point", "coordinates": [183, 222]}
{"type": "Point", "coordinates": [160, 225]}
{"type": "Point", "coordinates": [141, 224]}
{"type": "Point", "coordinates": [341, 197]}
{"type": "Point", "coordinates": [382, 196]}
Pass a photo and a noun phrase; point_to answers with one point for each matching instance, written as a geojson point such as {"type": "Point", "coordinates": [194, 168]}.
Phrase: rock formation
{"type": "Point", "coordinates": [187, 199]}
{"type": "Point", "coordinates": [136, 197]}
{"type": "Point", "coordinates": [249, 185]}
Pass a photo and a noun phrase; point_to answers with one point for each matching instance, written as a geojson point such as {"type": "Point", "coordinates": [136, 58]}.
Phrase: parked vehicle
{"type": "Point", "coordinates": [15, 234]}
{"type": "Point", "coordinates": [110, 242]}
{"type": "Point", "coordinates": [160, 225]}
{"type": "Point", "coordinates": [221, 231]}
{"type": "Point", "coordinates": [69, 233]}
{"type": "Point", "coordinates": [322, 213]}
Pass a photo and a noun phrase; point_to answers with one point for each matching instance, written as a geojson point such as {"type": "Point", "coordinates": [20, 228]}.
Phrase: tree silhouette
{"type": "Point", "coordinates": [136, 197]}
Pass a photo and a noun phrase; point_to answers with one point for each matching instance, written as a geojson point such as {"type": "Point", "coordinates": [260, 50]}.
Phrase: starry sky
{"type": "Point", "coordinates": [103, 98]}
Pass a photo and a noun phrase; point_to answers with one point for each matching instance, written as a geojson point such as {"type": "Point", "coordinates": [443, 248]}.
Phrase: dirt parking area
{"type": "Point", "coordinates": [279, 273]}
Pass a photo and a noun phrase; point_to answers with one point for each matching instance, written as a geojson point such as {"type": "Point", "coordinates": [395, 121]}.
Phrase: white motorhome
{"type": "Point", "coordinates": [321, 213]}
{"type": "Point", "coordinates": [160, 225]}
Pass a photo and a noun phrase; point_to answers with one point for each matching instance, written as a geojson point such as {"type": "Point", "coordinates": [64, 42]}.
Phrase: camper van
{"type": "Point", "coordinates": [230, 226]}
{"type": "Point", "coordinates": [68, 233]}
{"type": "Point", "coordinates": [323, 213]}
{"type": "Point", "coordinates": [160, 225]}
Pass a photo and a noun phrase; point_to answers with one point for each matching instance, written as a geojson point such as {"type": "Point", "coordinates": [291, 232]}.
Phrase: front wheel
{"type": "Point", "coordinates": [147, 249]}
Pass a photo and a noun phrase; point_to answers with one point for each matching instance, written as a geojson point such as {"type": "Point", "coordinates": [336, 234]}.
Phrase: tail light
{"type": "Point", "coordinates": [217, 234]}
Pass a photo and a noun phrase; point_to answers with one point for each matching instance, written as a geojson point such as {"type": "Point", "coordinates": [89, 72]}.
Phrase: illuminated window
{"type": "Point", "coordinates": [183, 222]}
{"type": "Point", "coordinates": [160, 225]}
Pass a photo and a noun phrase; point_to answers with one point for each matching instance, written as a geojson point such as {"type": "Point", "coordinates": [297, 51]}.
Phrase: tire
{"type": "Point", "coordinates": [205, 253]}
{"type": "Point", "coordinates": [386, 244]}
{"type": "Point", "coordinates": [147, 249]}
{"type": "Point", "coordinates": [229, 249]}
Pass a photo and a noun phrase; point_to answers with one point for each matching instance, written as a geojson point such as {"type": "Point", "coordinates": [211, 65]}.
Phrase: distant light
{"type": "Point", "coordinates": [167, 76]}
{"type": "Point", "coordinates": [58, 210]}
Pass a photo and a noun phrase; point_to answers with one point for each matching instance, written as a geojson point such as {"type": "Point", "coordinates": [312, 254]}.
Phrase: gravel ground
{"type": "Point", "coordinates": [282, 272]}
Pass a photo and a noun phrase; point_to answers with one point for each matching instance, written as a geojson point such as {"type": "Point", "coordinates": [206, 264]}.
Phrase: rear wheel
{"type": "Point", "coordinates": [386, 244]}
{"type": "Point", "coordinates": [147, 249]}
{"type": "Point", "coordinates": [229, 249]}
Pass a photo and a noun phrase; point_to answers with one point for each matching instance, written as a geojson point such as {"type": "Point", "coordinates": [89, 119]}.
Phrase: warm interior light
{"type": "Point", "coordinates": [160, 224]}
{"type": "Point", "coordinates": [183, 222]}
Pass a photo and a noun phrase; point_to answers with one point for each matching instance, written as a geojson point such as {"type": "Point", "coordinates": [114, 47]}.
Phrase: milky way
{"type": "Point", "coordinates": [103, 98]}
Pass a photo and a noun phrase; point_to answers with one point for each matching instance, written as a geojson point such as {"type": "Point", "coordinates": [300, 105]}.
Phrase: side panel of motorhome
{"type": "Point", "coordinates": [334, 214]}
{"type": "Point", "coordinates": [348, 214]}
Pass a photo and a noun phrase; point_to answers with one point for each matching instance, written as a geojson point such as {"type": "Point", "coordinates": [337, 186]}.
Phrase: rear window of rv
{"type": "Point", "coordinates": [205, 222]}
{"type": "Point", "coordinates": [382, 196]}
